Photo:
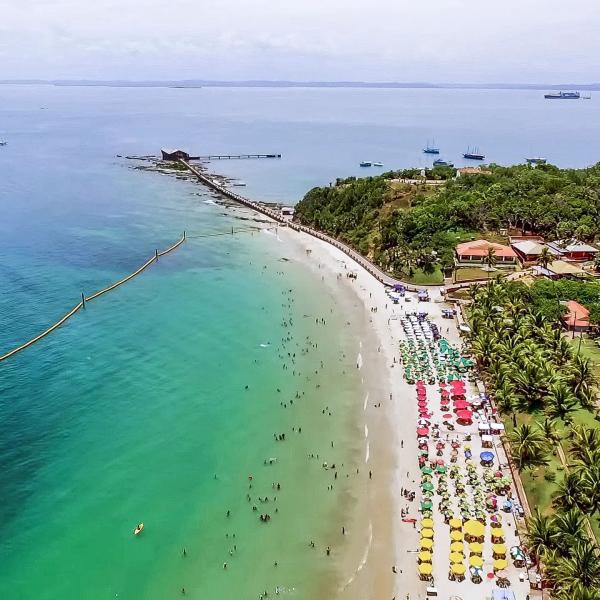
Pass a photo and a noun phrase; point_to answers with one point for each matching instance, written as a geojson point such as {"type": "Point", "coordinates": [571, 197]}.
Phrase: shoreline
{"type": "Point", "coordinates": [388, 542]}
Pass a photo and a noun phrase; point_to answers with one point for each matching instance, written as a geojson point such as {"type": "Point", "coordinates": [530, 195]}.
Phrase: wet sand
{"type": "Point", "coordinates": [384, 542]}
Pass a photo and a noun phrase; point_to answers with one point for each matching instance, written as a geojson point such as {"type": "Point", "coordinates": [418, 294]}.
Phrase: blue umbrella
{"type": "Point", "coordinates": [487, 456]}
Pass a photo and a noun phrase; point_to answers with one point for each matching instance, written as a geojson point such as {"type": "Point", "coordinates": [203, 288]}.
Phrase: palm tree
{"type": "Point", "coordinates": [581, 567]}
{"type": "Point", "coordinates": [578, 592]}
{"type": "Point", "coordinates": [570, 527]}
{"type": "Point", "coordinates": [570, 493]}
{"type": "Point", "coordinates": [560, 402]}
{"type": "Point", "coordinates": [582, 378]}
{"type": "Point", "coordinates": [530, 385]}
{"type": "Point", "coordinates": [541, 535]}
{"type": "Point", "coordinates": [549, 430]}
{"type": "Point", "coordinates": [545, 258]}
{"type": "Point", "coordinates": [528, 447]}
{"type": "Point", "coordinates": [507, 401]}
{"type": "Point", "coordinates": [490, 260]}
{"type": "Point", "coordinates": [584, 439]}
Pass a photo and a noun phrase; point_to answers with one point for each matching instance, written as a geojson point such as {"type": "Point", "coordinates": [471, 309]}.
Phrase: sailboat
{"type": "Point", "coordinates": [431, 148]}
{"type": "Point", "coordinates": [473, 154]}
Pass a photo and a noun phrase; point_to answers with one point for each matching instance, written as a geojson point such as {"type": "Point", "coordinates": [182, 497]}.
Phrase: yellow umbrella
{"type": "Point", "coordinates": [475, 561]}
{"type": "Point", "coordinates": [425, 568]}
{"type": "Point", "coordinates": [456, 557]}
{"type": "Point", "coordinates": [456, 536]}
{"type": "Point", "coordinates": [475, 548]}
{"type": "Point", "coordinates": [427, 533]}
{"type": "Point", "coordinates": [427, 523]}
{"type": "Point", "coordinates": [498, 548]}
{"type": "Point", "coordinates": [474, 528]}
{"type": "Point", "coordinates": [426, 544]}
{"type": "Point", "coordinates": [455, 523]}
{"type": "Point", "coordinates": [500, 564]}
{"type": "Point", "coordinates": [456, 547]}
{"type": "Point", "coordinates": [425, 556]}
{"type": "Point", "coordinates": [457, 569]}
{"type": "Point", "coordinates": [498, 533]}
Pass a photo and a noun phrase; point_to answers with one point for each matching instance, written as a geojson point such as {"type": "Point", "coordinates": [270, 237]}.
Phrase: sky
{"type": "Point", "coordinates": [521, 41]}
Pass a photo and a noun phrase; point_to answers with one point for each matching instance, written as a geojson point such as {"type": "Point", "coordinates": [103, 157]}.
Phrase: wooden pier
{"type": "Point", "coordinates": [233, 156]}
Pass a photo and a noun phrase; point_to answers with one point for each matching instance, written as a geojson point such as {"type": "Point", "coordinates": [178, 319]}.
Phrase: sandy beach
{"type": "Point", "coordinates": [386, 566]}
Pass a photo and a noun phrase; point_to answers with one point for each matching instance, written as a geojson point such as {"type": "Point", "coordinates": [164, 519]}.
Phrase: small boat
{"type": "Point", "coordinates": [139, 528]}
{"type": "Point", "coordinates": [366, 163]}
{"type": "Point", "coordinates": [378, 164]}
{"type": "Point", "coordinates": [536, 160]}
{"type": "Point", "coordinates": [3, 143]}
{"type": "Point", "coordinates": [438, 162]}
{"type": "Point", "coordinates": [473, 154]}
{"type": "Point", "coordinates": [239, 184]}
{"type": "Point", "coordinates": [431, 148]}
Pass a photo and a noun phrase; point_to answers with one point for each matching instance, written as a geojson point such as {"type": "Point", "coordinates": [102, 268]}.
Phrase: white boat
{"type": "Point", "coordinates": [138, 529]}
{"type": "Point", "coordinates": [378, 164]}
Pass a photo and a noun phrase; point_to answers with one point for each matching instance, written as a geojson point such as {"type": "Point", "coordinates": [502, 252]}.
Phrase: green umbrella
{"type": "Point", "coordinates": [426, 505]}
{"type": "Point", "coordinates": [427, 487]}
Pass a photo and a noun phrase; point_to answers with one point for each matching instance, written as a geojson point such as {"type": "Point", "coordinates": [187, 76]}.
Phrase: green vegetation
{"type": "Point", "coordinates": [407, 227]}
{"type": "Point", "coordinates": [548, 392]}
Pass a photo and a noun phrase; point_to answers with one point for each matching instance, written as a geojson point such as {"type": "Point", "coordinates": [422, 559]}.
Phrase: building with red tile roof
{"type": "Point", "coordinates": [476, 251]}
{"type": "Point", "coordinates": [577, 317]}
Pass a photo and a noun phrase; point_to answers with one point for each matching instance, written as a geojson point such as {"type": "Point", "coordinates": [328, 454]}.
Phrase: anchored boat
{"type": "Point", "coordinates": [473, 154]}
{"type": "Point", "coordinates": [562, 96]}
{"type": "Point", "coordinates": [442, 163]}
{"type": "Point", "coordinates": [431, 148]}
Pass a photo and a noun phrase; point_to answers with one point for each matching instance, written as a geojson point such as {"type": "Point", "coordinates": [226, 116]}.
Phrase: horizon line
{"type": "Point", "coordinates": [190, 83]}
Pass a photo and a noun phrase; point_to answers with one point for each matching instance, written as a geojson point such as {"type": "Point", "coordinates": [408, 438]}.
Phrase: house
{"type": "Point", "coordinates": [559, 269]}
{"type": "Point", "coordinates": [471, 171]}
{"type": "Point", "coordinates": [474, 252]}
{"type": "Point", "coordinates": [572, 250]}
{"type": "Point", "coordinates": [174, 154]}
{"type": "Point", "coordinates": [528, 251]}
{"type": "Point", "coordinates": [577, 317]}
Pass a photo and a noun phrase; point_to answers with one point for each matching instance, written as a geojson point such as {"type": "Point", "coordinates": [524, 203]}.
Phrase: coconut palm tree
{"type": "Point", "coordinates": [549, 430]}
{"type": "Point", "coordinates": [545, 258]}
{"type": "Point", "coordinates": [560, 402]}
{"type": "Point", "coordinates": [584, 439]}
{"type": "Point", "coordinates": [581, 567]}
{"type": "Point", "coordinates": [578, 592]}
{"type": "Point", "coordinates": [530, 385]}
{"type": "Point", "coordinates": [582, 378]}
{"type": "Point", "coordinates": [528, 447]}
{"type": "Point", "coordinates": [570, 528]}
{"type": "Point", "coordinates": [570, 493]}
{"type": "Point", "coordinates": [490, 260]}
{"type": "Point", "coordinates": [507, 401]}
{"type": "Point", "coordinates": [541, 535]}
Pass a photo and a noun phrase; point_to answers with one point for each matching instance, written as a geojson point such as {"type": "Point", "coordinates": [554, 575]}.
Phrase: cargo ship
{"type": "Point", "coordinates": [562, 96]}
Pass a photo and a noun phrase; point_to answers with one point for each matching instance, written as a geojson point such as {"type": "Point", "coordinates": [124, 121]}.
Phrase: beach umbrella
{"type": "Point", "coordinates": [461, 404]}
{"type": "Point", "coordinates": [444, 402]}
{"type": "Point", "coordinates": [486, 457]}
{"type": "Point", "coordinates": [464, 415]}
{"type": "Point", "coordinates": [455, 523]}
{"type": "Point", "coordinates": [427, 523]}
{"type": "Point", "coordinates": [426, 505]}
{"type": "Point", "coordinates": [422, 431]}
{"type": "Point", "coordinates": [475, 548]}
{"type": "Point", "coordinates": [456, 536]}
{"type": "Point", "coordinates": [427, 533]}
{"type": "Point", "coordinates": [475, 561]}
{"type": "Point", "coordinates": [426, 470]}
{"type": "Point", "coordinates": [474, 528]}
{"type": "Point", "coordinates": [447, 416]}
{"type": "Point", "coordinates": [440, 469]}
{"type": "Point", "coordinates": [499, 549]}
{"type": "Point", "coordinates": [497, 533]}
{"type": "Point", "coordinates": [426, 543]}
{"type": "Point", "coordinates": [425, 556]}
{"type": "Point", "coordinates": [425, 568]}
{"type": "Point", "coordinates": [500, 564]}
{"type": "Point", "coordinates": [457, 547]}
{"type": "Point", "coordinates": [456, 557]}
{"type": "Point", "coordinates": [457, 569]}
{"type": "Point", "coordinates": [440, 462]}
{"type": "Point", "coordinates": [427, 487]}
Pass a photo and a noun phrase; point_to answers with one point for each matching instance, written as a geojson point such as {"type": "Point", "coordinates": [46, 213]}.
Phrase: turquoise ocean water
{"type": "Point", "coordinates": [129, 412]}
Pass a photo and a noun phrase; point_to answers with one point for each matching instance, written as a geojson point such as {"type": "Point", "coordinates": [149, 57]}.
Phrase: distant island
{"type": "Point", "coordinates": [199, 83]}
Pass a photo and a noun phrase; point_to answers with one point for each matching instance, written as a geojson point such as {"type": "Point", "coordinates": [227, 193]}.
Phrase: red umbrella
{"type": "Point", "coordinates": [439, 446]}
{"type": "Point", "coordinates": [423, 413]}
{"type": "Point", "coordinates": [443, 384]}
{"type": "Point", "coordinates": [422, 431]}
{"type": "Point", "coordinates": [444, 401]}
{"type": "Point", "coordinates": [440, 461]}
{"type": "Point", "coordinates": [460, 404]}
{"type": "Point", "coordinates": [464, 415]}
{"type": "Point", "coordinates": [447, 416]}
{"type": "Point", "coordinates": [420, 383]}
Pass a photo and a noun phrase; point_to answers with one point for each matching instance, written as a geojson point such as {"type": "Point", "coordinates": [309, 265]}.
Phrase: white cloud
{"type": "Point", "coordinates": [438, 40]}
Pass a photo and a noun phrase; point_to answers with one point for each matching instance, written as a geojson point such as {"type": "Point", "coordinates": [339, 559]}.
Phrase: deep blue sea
{"type": "Point", "coordinates": [137, 409]}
